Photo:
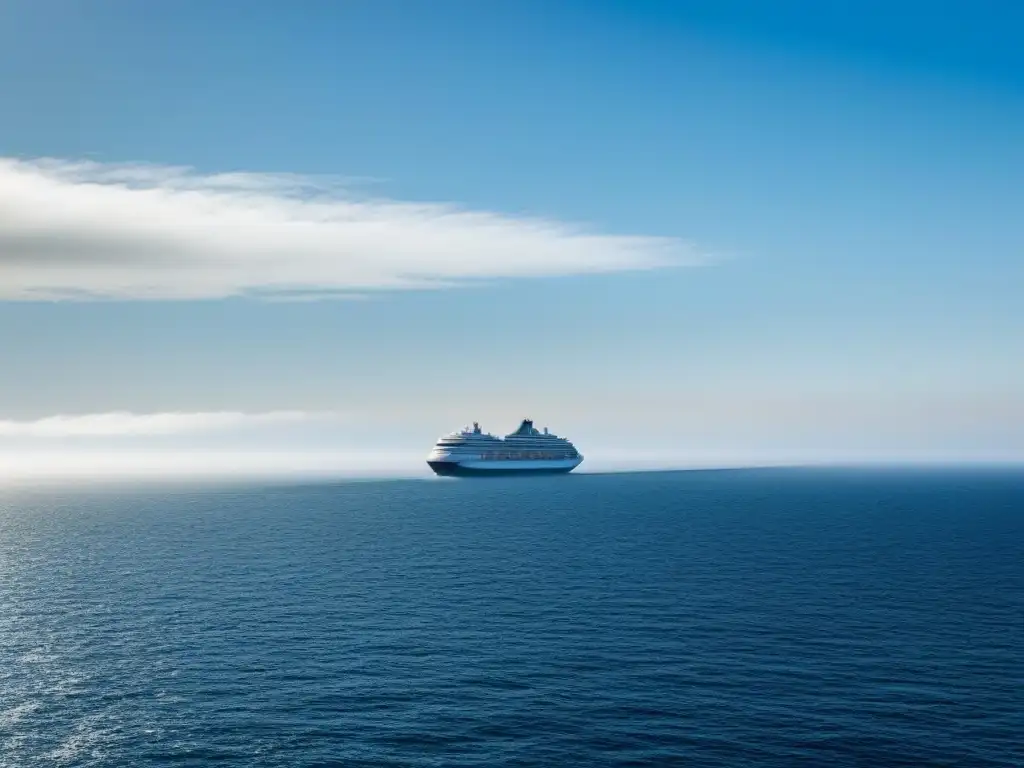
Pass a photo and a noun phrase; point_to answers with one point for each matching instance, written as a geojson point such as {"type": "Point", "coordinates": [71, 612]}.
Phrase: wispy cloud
{"type": "Point", "coordinates": [202, 464]}
{"type": "Point", "coordinates": [122, 423]}
{"type": "Point", "coordinates": [86, 230]}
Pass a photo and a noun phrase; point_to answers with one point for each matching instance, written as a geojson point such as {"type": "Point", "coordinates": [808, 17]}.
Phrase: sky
{"type": "Point", "coordinates": [312, 237]}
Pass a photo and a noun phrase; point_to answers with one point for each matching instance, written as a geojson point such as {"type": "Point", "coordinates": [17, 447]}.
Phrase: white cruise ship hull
{"type": "Point", "coordinates": [499, 467]}
{"type": "Point", "coordinates": [527, 451]}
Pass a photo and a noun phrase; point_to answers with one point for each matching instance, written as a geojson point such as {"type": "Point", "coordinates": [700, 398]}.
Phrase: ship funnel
{"type": "Point", "coordinates": [526, 428]}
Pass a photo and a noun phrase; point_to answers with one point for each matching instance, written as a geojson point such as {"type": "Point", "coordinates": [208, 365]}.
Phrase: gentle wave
{"type": "Point", "coordinates": [771, 618]}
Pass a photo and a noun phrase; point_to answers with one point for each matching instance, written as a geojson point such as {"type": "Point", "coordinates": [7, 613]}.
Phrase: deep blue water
{"type": "Point", "coordinates": [767, 618]}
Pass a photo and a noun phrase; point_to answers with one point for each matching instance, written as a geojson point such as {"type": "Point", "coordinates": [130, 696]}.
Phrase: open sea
{"type": "Point", "coordinates": [729, 618]}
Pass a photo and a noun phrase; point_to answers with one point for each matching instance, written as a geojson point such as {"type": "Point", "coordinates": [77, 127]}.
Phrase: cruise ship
{"type": "Point", "coordinates": [525, 451]}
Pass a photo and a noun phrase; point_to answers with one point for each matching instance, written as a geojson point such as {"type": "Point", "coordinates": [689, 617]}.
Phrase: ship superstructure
{"type": "Point", "coordinates": [528, 450]}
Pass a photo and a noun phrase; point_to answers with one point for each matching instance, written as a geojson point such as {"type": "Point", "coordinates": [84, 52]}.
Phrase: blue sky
{"type": "Point", "coordinates": [732, 231]}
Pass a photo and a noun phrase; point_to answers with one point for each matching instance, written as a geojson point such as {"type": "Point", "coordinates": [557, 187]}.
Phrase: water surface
{"type": "Point", "coordinates": [775, 618]}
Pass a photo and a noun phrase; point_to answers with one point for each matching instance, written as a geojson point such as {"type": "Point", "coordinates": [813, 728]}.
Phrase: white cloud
{"type": "Point", "coordinates": [206, 464]}
{"type": "Point", "coordinates": [120, 423]}
{"type": "Point", "coordinates": [85, 230]}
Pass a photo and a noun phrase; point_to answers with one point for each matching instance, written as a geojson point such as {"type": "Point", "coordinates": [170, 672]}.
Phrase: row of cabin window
{"type": "Point", "coordinates": [528, 455]}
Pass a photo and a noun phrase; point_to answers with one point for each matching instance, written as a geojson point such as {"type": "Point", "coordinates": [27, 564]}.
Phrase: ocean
{"type": "Point", "coordinates": [729, 618]}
